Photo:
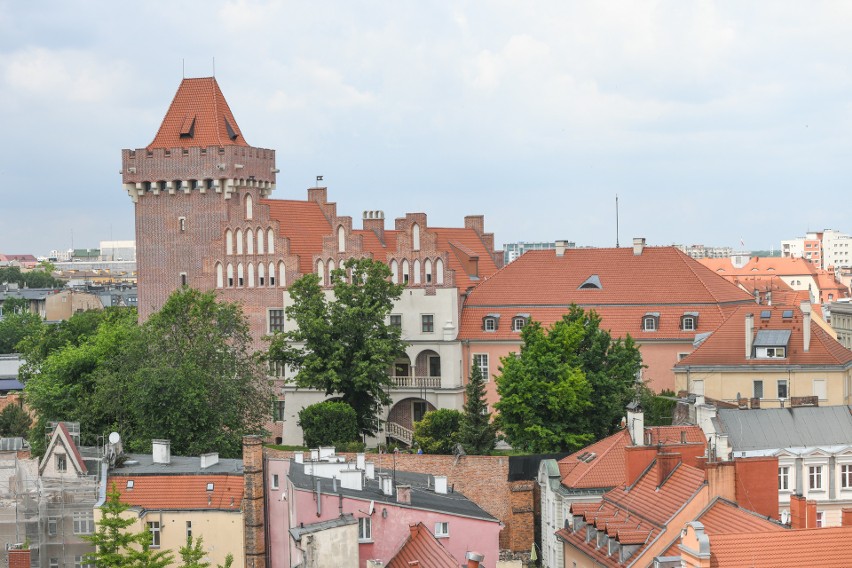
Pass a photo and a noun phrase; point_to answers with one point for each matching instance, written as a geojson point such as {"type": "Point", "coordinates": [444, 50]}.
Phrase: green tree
{"type": "Point", "coordinates": [12, 305]}
{"type": "Point", "coordinates": [188, 374]}
{"type": "Point", "coordinates": [343, 346]}
{"type": "Point", "coordinates": [16, 328]}
{"type": "Point", "coordinates": [115, 546]}
{"type": "Point", "coordinates": [39, 277]}
{"type": "Point", "coordinates": [329, 423]}
{"type": "Point", "coordinates": [438, 432]}
{"type": "Point", "coordinates": [14, 422]}
{"type": "Point", "coordinates": [192, 554]}
{"type": "Point", "coordinates": [658, 408]}
{"type": "Point", "coordinates": [477, 433]}
{"type": "Point", "coordinates": [568, 386]}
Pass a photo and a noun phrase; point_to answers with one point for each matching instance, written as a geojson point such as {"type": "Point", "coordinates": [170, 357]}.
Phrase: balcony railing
{"type": "Point", "coordinates": [417, 382]}
{"type": "Point", "coordinates": [399, 432]}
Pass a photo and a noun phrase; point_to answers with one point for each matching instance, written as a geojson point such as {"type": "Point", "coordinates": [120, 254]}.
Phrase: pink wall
{"type": "Point", "coordinates": [278, 514]}
{"type": "Point", "coordinates": [466, 534]}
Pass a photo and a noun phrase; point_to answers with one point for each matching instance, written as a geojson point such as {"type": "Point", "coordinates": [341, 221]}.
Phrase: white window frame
{"type": "Point", "coordinates": [649, 323]}
{"type": "Point", "coordinates": [820, 519]}
{"type": "Point", "coordinates": [846, 476]}
{"type": "Point", "coordinates": [783, 478]}
{"type": "Point", "coordinates": [754, 388]}
{"type": "Point", "coordinates": [365, 529]}
{"type": "Point", "coordinates": [442, 529]}
{"type": "Point", "coordinates": [490, 324]}
{"type": "Point", "coordinates": [481, 360]}
{"type": "Point", "coordinates": [84, 522]}
{"type": "Point", "coordinates": [815, 478]}
{"type": "Point", "coordinates": [154, 529]}
{"type": "Point", "coordinates": [688, 323]}
{"type": "Point", "coordinates": [273, 484]}
{"type": "Point", "coordinates": [518, 323]}
{"type": "Point", "coordinates": [786, 388]}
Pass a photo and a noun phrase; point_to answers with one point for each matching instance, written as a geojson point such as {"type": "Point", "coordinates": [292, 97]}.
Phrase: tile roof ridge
{"type": "Point", "coordinates": [216, 92]}
{"type": "Point", "coordinates": [497, 273]}
{"type": "Point", "coordinates": [685, 258]}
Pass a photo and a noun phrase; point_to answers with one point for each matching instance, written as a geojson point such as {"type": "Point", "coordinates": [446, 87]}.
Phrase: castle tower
{"type": "Point", "coordinates": [198, 177]}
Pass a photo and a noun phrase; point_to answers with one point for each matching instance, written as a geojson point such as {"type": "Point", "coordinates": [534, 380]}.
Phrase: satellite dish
{"type": "Point", "coordinates": [114, 438]}
{"type": "Point", "coordinates": [372, 507]}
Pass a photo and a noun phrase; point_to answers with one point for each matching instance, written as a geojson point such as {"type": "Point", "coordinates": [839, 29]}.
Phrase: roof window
{"type": "Point", "coordinates": [787, 314]}
{"type": "Point", "coordinates": [765, 314]}
{"type": "Point", "coordinates": [210, 487]}
{"type": "Point", "coordinates": [187, 129]}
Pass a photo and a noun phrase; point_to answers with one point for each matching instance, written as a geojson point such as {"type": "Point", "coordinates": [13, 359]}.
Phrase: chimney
{"type": "Point", "coordinates": [403, 494]}
{"type": "Point", "coordinates": [845, 517]}
{"type": "Point", "coordinates": [19, 557]}
{"type": "Point", "coordinates": [375, 221]}
{"type": "Point", "coordinates": [560, 247]}
{"type": "Point", "coordinates": [636, 423]}
{"type": "Point", "coordinates": [806, 325]}
{"type": "Point", "coordinates": [161, 451]}
{"type": "Point", "coordinates": [208, 460]}
{"type": "Point", "coordinates": [441, 484]}
{"type": "Point", "coordinates": [638, 245]}
{"type": "Point", "coordinates": [474, 559]}
{"type": "Point", "coordinates": [749, 334]}
{"type": "Point", "coordinates": [370, 469]}
{"type": "Point", "coordinates": [386, 484]}
{"type": "Point", "coordinates": [475, 222]}
{"type": "Point", "coordinates": [360, 461]}
{"type": "Point", "coordinates": [802, 513]}
{"type": "Point", "coordinates": [666, 464]}
{"type": "Point", "coordinates": [318, 194]}
{"type": "Point", "coordinates": [254, 499]}
{"type": "Point", "coordinates": [299, 457]}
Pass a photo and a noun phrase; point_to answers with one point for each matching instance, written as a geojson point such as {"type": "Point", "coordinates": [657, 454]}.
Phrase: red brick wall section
{"type": "Point", "coordinates": [752, 490]}
{"type": "Point", "coordinates": [482, 479]}
{"type": "Point", "coordinates": [19, 558]}
{"type": "Point", "coordinates": [254, 503]}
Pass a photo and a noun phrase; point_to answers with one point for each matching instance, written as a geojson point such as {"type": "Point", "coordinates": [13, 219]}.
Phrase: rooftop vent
{"type": "Point", "coordinates": [161, 451]}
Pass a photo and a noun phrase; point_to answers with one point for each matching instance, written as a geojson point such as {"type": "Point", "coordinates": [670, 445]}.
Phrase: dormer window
{"type": "Point", "coordinates": [651, 321]}
{"type": "Point", "coordinates": [689, 321]}
{"type": "Point", "coordinates": [771, 343]}
{"type": "Point", "coordinates": [519, 321]}
{"type": "Point", "coordinates": [491, 322]}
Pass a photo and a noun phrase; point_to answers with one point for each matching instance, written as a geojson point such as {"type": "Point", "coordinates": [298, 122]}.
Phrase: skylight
{"type": "Point", "coordinates": [765, 314]}
{"type": "Point", "coordinates": [787, 314]}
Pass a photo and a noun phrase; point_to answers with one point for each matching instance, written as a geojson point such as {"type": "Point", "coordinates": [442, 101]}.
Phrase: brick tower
{"type": "Point", "coordinates": [195, 187]}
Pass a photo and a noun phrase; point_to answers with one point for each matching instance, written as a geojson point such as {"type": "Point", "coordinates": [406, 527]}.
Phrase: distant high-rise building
{"type": "Point", "coordinates": [825, 249]}
{"type": "Point", "coordinates": [511, 251]}
{"type": "Point", "coordinates": [702, 251]}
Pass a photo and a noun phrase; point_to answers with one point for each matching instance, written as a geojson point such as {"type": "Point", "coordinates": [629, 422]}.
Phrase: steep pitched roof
{"type": "Point", "coordinates": [62, 438]}
{"type": "Point", "coordinates": [605, 469]}
{"type": "Point", "coordinates": [658, 503]}
{"type": "Point", "coordinates": [199, 116]}
{"type": "Point", "coordinates": [767, 266]}
{"type": "Point", "coordinates": [422, 547]}
{"type": "Point", "coordinates": [821, 547]}
{"type": "Point", "coordinates": [181, 492]}
{"type": "Point", "coordinates": [726, 345]}
{"type": "Point", "coordinates": [661, 279]}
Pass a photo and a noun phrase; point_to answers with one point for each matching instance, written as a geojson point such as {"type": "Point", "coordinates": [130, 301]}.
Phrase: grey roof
{"type": "Point", "coordinates": [422, 497]}
{"type": "Point", "coordinates": [346, 519]}
{"type": "Point", "coordinates": [772, 338]}
{"type": "Point", "coordinates": [776, 428]}
{"type": "Point", "coordinates": [179, 465]}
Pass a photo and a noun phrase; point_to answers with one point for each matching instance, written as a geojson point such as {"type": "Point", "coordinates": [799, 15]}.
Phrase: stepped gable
{"type": "Point", "coordinates": [199, 116]}
{"type": "Point", "coordinates": [726, 345]}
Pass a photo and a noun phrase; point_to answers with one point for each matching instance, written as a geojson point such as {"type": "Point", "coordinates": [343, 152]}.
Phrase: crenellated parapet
{"type": "Point", "coordinates": [222, 169]}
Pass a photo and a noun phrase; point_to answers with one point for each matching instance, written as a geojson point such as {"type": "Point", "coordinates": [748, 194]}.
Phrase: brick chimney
{"type": "Point", "coordinates": [375, 221]}
{"type": "Point", "coordinates": [666, 464]}
{"type": "Point", "coordinates": [560, 247]}
{"type": "Point", "coordinates": [749, 334]}
{"type": "Point", "coordinates": [806, 325]}
{"type": "Point", "coordinates": [253, 503]}
{"type": "Point", "coordinates": [403, 494]}
{"type": "Point", "coordinates": [475, 222]}
{"type": "Point", "coordinates": [638, 245]}
{"type": "Point", "coordinates": [802, 513]}
{"type": "Point", "coordinates": [19, 558]}
{"type": "Point", "coordinates": [845, 519]}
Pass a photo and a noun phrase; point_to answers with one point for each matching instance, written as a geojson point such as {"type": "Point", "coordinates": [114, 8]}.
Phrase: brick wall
{"type": "Point", "coordinates": [254, 502]}
{"type": "Point", "coordinates": [482, 479]}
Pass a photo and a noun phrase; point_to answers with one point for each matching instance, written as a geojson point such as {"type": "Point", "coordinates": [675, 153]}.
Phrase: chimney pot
{"type": "Point", "coordinates": [749, 334]}
{"type": "Point", "coordinates": [403, 494]}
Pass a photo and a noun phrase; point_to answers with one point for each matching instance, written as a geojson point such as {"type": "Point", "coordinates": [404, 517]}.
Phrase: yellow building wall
{"type": "Point", "coordinates": [724, 385]}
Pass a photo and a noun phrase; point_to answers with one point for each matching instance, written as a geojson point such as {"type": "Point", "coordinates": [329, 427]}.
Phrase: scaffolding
{"type": "Point", "coordinates": [49, 514]}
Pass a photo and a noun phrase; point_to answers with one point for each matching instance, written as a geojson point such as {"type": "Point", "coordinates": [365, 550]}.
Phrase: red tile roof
{"type": "Point", "coordinates": [199, 109]}
{"type": "Point", "coordinates": [675, 435]}
{"type": "Point", "coordinates": [304, 223]}
{"type": "Point", "coordinates": [757, 266]}
{"type": "Point", "coordinates": [726, 517]}
{"type": "Point", "coordinates": [726, 345]}
{"type": "Point", "coordinates": [607, 469]}
{"type": "Point", "coordinates": [422, 547]}
{"type": "Point", "coordinates": [824, 547]}
{"type": "Point", "coordinates": [661, 279]}
{"type": "Point", "coordinates": [181, 492]}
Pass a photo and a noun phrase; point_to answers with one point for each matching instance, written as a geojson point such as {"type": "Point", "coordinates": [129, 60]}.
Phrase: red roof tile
{"type": "Point", "coordinates": [304, 223]}
{"type": "Point", "coordinates": [825, 547]}
{"type": "Point", "coordinates": [661, 280]}
{"type": "Point", "coordinates": [200, 110]}
{"type": "Point", "coordinates": [658, 504]}
{"type": "Point", "coordinates": [675, 435]}
{"type": "Point", "coordinates": [726, 345]}
{"type": "Point", "coordinates": [181, 492]}
{"type": "Point", "coordinates": [422, 547]}
{"type": "Point", "coordinates": [756, 266]}
{"type": "Point", "coordinates": [607, 469]}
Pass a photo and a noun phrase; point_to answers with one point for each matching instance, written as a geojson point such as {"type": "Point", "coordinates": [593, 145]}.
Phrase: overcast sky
{"type": "Point", "coordinates": [712, 121]}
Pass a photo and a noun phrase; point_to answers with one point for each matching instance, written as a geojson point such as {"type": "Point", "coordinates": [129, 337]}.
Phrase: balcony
{"type": "Point", "coordinates": [415, 382]}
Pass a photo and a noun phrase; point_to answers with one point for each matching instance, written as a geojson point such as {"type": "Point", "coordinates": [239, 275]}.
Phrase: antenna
{"type": "Point", "coordinates": [616, 221]}
{"type": "Point", "coordinates": [183, 68]}
{"type": "Point", "coordinates": [214, 66]}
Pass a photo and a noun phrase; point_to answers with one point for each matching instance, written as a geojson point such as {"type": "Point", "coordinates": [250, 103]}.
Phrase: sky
{"type": "Point", "coordinates": [713, 122]}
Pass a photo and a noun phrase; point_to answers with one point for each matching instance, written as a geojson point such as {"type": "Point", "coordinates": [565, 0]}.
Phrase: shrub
{"type": "Point", "coordinates": [438, 432]}
{"type": "Point", "coordinates": [329, 423]}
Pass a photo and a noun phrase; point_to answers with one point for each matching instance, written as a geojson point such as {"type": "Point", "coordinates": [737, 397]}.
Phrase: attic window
{"type": "Point", "coordinates": [519, 321]}
{"type": "Point", "coordinates": [651, 321]}
{"type": "Point", "coordinates": [587, 457]}
{"type": "Point", "coordinates": [209, 487]}
{"type": "Point", "coordinates": [187, 129]}
{"type": "Point", "coordinates": [765, 314]}
{"type": "Point", "coordinates": [593, 282]}
{"type": "Point", "coordinates": [787, 314]}
{"type": "Point", "coordinates": [771, 343]}
{"type": "Point", "coordinates": [689, 321]}
{"type": "Point", "coordinates": [231, 134]}
{"type": "Point", "coordinates": [130, 484]}
{"type": "Point", "coordinates": [491, 322]}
